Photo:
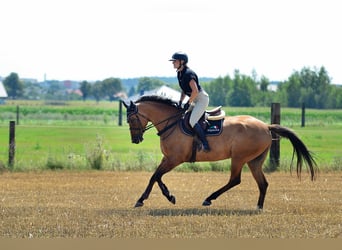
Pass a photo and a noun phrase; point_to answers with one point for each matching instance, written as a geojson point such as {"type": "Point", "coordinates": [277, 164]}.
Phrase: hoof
{"type": "Point", "coordinates": [206, 203]}
{"type": "Point", "coordinates": [259, 208]}
{"type": "Point", "coordinates": [173, 199]}
{"type": "Point", "coordinates": [139, 204]}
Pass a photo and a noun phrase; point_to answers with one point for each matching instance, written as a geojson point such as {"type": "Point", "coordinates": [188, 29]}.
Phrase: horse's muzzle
{"type": "Point", "coordinates": [137, 139]}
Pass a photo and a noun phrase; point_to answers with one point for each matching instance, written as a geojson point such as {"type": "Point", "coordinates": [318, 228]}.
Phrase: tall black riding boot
{"type": "Point", "coordinates": [199, 131]}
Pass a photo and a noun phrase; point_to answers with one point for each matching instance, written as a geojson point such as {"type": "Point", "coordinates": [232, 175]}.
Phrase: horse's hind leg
{"type": "Point", "coordinates": [235, 179]}
{"type": "Point", "coordinates": [164, 167]}
{"type": "Point", "coordinates": [256, 169]}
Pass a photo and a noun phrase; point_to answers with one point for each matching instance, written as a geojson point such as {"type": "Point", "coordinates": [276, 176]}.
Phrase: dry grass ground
{"type": "Point", "coordinates": [100, 204]}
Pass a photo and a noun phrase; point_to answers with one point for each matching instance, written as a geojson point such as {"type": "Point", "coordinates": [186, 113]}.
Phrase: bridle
{"type": "Point", "coordinates": [133, 117]}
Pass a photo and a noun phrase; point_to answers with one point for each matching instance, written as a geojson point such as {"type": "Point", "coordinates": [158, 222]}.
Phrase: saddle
{"type": "Point", "coordinates": [211, 122]}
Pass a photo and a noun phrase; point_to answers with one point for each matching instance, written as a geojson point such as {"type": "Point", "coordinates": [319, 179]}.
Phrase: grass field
{"type": "Point", "coordinates": [64, 137]}
{"type": "Point", "coordinates": [76, 113]}
{"type": "Point", "coordinates": [38, 146]}
{"type": "Point", "coordinates": [93, 204]}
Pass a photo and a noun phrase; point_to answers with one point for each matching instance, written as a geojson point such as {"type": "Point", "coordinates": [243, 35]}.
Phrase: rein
{"type": "Point", "coordinates": [167, 127]}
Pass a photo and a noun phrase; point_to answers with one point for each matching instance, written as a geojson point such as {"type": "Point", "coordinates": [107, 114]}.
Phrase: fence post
{"type": "Point", "coordinates": [275, 147]}
{"type": "Point", "coordinates": [11, 151]}
{"type": "Point", "coordinates": [120, 113]}
{"type": "Point", "coordinates": [17, 114]}
{"type": "Point", "coordinates": [303, 114]}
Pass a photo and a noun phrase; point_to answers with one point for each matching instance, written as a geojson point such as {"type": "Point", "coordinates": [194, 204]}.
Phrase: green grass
{"type": "Point", "coordinates": [91, 113]}
{"type": "Point", "coordinates": [50, 136]}
{"type": "Point", "coordinates": [325, 142]}
{"type": "Point", "coordinates": [70, 113]}
{"type": "Point", "coordinates": [36, 145]}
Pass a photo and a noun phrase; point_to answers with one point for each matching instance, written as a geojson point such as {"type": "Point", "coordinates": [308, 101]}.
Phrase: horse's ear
{"type": "Point", "coordinates": [125, 104]}
{"type": "Point", "coordinates": [131, 108]}
{"type": "Point", "coordinates": [132, 105]}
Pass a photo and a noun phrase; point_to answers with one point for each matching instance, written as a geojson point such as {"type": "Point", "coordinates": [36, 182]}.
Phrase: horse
{"type": "Point", "coordinates": [244, 139]}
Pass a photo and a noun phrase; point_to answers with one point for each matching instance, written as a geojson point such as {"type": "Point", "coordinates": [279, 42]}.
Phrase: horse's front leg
{"type": "Point", "coordinates": [164, 167]}
{"type": "Point", "coordinates": [147, 192]}
{"type": "Point", "coordinates": [166, 192]}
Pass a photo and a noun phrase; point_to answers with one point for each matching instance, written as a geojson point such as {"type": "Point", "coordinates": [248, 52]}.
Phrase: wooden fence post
{"type": "Point", "coordinates": [303, 114]}
{"type": "Point", "coordinates": [17, 114]}
{"type": "Point", "coordinates": [120, 113]}
{"type": "Point", "coordinates": [275, 147]}
{"type": "Point", "coordinates": [11, 151]}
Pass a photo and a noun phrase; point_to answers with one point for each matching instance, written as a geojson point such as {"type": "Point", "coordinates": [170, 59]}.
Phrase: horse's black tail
{"type": "Point", "coordinates": [299, 149]}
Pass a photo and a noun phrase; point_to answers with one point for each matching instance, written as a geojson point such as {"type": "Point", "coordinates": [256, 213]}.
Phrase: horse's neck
{"type": "Point", "coordinates": [158, 112]}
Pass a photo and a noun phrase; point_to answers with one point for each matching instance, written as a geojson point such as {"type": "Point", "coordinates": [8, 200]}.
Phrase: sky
{"type": "Point", "coordinates": [97, 39]}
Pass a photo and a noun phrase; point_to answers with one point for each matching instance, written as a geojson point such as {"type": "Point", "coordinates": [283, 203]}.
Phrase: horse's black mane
{"type": "Point", "coordinates": [156, 98]}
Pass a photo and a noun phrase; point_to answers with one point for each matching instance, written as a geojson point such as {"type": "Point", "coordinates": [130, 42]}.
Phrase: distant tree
{"type": "Point", "coordinates": [147, 83]}
{"type": "Point", "coordinates": [254, 75]}
{"type": "Point", "coordinates": [263, 96]}
{"type": "Point", "coordinates": [292, 88]}
{"type": "Point", "coordinates": [308, 83]}
{"type": "Point", "coordinates": [243, 90]}
{"type": "Point", "coordinates": [324, 89]}
{"type": "Point", "coordinates": [308, 86]}
{"type": "Point", "coordinates": [55, 91]}
{"type": "Point", "coordinates": [131, 91]}
{"type": "Point", "coordinates": [13, 86]}
{"type": "Point", "coordinates": [85, 88]}
{"type": "Point", "coordinates": [111, 86]}
{"type": "Point", "coordinates": [335, 97]}
{"type": "Point", "coordinates": [97, 91]}
{"type": "Point", "coordinates": [32, 91]}
{"type": "Point", "coordinates": [218, 90]}
{"type": "Point", "coordinates": [264, 82]}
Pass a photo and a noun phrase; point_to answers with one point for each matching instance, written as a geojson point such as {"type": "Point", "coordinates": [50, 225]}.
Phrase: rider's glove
{"type": "Point", "coordinates": [179, 105]}
{"type": "Point", "coordinates": [186, 106]}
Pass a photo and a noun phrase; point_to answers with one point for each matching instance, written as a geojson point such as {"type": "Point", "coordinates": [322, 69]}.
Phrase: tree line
{"type": "Point", "coordinates": [310, 86]}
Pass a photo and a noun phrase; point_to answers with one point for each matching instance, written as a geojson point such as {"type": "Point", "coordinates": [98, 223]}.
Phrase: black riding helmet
{"type": "Point", "coordinates": [180, 56]}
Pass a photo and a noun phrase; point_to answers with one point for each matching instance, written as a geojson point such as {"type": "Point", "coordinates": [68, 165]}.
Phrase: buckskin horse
{"type": "Point", "coordinates": [244, 139]}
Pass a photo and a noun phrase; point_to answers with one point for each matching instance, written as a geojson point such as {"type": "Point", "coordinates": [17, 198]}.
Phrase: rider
{"type": "Point", "coordinates": [198, 98]}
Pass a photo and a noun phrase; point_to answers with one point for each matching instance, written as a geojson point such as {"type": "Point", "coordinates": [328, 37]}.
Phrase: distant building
{"type": "Point", "coordinates": [164, 91]}
{"type": "Point", "coordinates": [3, 93]}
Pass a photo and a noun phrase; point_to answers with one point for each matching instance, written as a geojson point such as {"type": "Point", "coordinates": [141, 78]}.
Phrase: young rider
{"type": "Point", "coordinates": [198, 98]}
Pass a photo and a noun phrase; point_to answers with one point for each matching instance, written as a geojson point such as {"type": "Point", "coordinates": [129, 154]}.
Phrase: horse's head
{"type": "Point", "coordinates": [136, 126]}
